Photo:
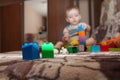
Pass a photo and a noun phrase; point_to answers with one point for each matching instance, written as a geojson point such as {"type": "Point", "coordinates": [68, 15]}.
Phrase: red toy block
{"type": "Point", "coordinates": [104, 48]}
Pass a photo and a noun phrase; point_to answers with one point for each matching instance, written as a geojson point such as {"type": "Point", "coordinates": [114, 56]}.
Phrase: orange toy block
{"type": "Point", "coordinates": [81, 34]}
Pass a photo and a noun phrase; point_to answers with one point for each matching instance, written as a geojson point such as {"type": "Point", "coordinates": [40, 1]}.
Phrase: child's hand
{"type": "Point", "coordinates": [85, 26]}
{"type": "Point", "coordinates": [66, 38]}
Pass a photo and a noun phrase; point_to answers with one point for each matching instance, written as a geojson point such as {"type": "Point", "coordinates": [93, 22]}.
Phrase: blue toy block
{"type": "Point", "coordinates": [80, 28]}
{"type": "Point", "coordinates": [30, 51]}
{"type": "Point", "coordinates": [95, 48]}
{"type": "Point", "coordinates": [82, 43]}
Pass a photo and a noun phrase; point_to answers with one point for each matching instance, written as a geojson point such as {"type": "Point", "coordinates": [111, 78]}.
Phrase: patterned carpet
{"type": "Point", "coordinates": [81, 66]}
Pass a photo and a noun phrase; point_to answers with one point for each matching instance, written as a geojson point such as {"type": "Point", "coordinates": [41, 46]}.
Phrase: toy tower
{"type": "Point", "coordinates": [82, 38]}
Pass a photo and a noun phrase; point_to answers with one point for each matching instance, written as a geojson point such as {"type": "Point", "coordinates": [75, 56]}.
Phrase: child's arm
{"type": "Point", "coordinates": [65, 35]}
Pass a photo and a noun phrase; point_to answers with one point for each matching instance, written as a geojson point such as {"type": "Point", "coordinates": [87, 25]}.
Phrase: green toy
{"type": "Point", "coordinates": [47, 50]}
{"type": "Point", "coordinates": [72, 49]}
{"type": "Point", "coordinates": [114, 49]}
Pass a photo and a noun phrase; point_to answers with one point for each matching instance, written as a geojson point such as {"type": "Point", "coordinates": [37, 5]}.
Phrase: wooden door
{"type": "Point", "coordinates": [0, 27]}
{"type": "Point", "coordinates": [11, 28]}
{"type": "Point", "coordinates": [56, 18]}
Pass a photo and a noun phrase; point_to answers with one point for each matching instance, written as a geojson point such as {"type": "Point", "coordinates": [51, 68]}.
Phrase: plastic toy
{"type": "Point", "coordinates": [47, 50]}
{"type": "Point", "coordinates": [88, 48]}
{"type": "Point", "coordinates": [63, 51]}
{"type": "Point", "coordinates": [74, 43]}
{"type": "Point", "coordinates": [114, 49]}
{"type": "Point", "coordinates": [103, 43]}
{"type": "Point", "coordinates": [72, 49]}
{"type": "Point", "coordinates": [95, 48]}
{"type": "Point", "coordinates": [117, 41]}
{"type": "Point", "coordinates": [82, 39]}
{"type": "Point", "coordinates": [30, 51]}
{"type": "Point", "coordinates": [81, 35]}
{"type": "Point", "coordinates": [80, 28]}
{"type": "Point", "coordinates": [104, 48]}
{"type": "Point", "coordinates": [81, 48]}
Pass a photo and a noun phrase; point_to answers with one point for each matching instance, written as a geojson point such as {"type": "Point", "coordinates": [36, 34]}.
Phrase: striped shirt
{"type": "Point", "coordinates": [72, 32]}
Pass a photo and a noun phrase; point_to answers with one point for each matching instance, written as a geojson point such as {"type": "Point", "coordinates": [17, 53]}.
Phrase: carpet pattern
{"type": "Point", "coordinates": [68, 67]}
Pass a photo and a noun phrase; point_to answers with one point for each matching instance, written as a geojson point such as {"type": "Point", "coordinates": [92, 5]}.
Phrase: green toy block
{"type": "Point", "coordinates": [114, 49]}
{"type": "Point", "coordinates": [47, 50]}
{"type": "Point", "coordinates": [72, 49]}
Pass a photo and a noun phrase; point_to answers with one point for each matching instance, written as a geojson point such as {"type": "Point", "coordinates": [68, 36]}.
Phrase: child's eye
{"type": "Point", "coordinates": [70, 17]}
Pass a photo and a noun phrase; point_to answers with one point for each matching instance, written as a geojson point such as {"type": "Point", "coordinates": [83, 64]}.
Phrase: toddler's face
{"type": "Point", "coordinates": [73, 16]}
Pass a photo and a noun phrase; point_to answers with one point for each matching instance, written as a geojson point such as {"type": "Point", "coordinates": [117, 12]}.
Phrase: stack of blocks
{"type": "Point", "coordinates": [30, 51]}
{"type": "Point", "coordinates": [82, 38]}
{"type": "Point", "coordinates": [47, 50]}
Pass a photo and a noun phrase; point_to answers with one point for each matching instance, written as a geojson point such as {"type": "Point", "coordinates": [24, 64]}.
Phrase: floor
{"type": "Point", "coordinates": [18, 54]}
{"type": "Point", "coordinates": [81, 66]}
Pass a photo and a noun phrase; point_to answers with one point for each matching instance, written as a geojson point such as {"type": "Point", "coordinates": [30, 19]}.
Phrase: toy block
{"type": "Point", "coordinates": [81, 34]}
{"type": "Point", "coordinates": [88, 48]}
{"type": "Point", "coordinates": [74, 43]}
{"type": "Point", "coordinates": [95, 48]}
{"type": "Point", "coordinates": [82, 43]}
{"type": "Point", "coordinates": [114, 49]}
{"type": "Point", "coordinates": [103, 43]}
{"type": "Point", "coordinates": [72, 49]}
{"type": "Point", "coordinates": [80, 28]}
{"type": "Point", "coordinates": [47, 50]}
{"type": "Point", "coordinates": [104, 48]}
{"type": "Point", "coordinates": [82, 39]}
{"type": "Point", "coordinates": [30, 51]}
{"type": "Point", "coordinates": [81, 48]}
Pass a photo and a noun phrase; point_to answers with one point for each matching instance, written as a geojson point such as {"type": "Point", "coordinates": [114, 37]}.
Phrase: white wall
{"type": "Point", "coordinates": [32, 20]}
{"type": "Point", "coordinates": [84, 10]}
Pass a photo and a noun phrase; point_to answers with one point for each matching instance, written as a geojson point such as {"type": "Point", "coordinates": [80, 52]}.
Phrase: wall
{"type": "Point", "coordinates": [33, 20]}
{"type": "Point", "coordinates": [83, 4]}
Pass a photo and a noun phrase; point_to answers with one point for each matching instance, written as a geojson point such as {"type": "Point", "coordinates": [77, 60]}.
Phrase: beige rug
{"type": "Point", "coordinates": [81, 66]}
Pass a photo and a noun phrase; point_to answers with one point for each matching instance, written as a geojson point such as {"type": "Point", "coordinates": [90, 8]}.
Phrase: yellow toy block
{"type": "Point", "coordinates": [88, 48]}
{"type": "Point", "coordinates": [81, 33]}
{"type": "Point", "coordinates": [74, 43]}
{"type": "Point", "coordinates": [103, 43]}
